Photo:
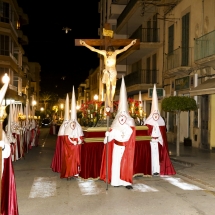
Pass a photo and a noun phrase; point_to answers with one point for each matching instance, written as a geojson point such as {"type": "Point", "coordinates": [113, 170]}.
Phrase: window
{"type": "Point", "coordinates": [136, 66]}
{"type": "Point", "coordinates": [148, 62]}
{"type": "Point", "coordinates": [4, 45]}
{"type": "Point", "coordinates": [170, 39]}
{"type": "Point", "coordinates": [185, 39]}
{"type": "Point", "coordinates": [4, 12]}
{"type": "Point", "coordinates": [154, 69]}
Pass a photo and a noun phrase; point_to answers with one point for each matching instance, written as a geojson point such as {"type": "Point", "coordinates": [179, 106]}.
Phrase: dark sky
{"type": "Point", "coordinates": [50, 46]}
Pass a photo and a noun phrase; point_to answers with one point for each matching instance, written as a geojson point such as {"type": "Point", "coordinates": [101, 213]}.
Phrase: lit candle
{"type": "Point", "coordinates": [132, 109]}
{"type": "Point", "coordinates": [96, 107]}
{"type": "Point", "coordinates": [141, 112]}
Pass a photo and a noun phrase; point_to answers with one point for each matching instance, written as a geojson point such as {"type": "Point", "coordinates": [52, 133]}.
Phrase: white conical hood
{"type": "Point", "coordinates": [73, 106]}
{"type": "Point", "coordinates": [66, 109]}
{"type": "Point", "coordinates": [123, 102]}
{"type": "Point", "coordinates": [21, 109]}
{"type": "Point", "coordinates": [154, 117]}
{"type": "Point", "coordinates": [73, 128]}
{"type": "Point", "coordinates": [3, 91]}
{"type": "Point", "coordinates": [122, 112]}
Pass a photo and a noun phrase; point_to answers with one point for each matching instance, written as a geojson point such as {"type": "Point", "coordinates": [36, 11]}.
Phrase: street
{"type": "Point", "coordinates": [41, 191]}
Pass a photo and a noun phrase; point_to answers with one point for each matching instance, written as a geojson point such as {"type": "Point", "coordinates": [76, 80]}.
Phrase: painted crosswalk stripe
{"type": "Point", "coordinates": [143, 188]}
{"type": "Point", "coordinates": [179, 183]}
{"type": "Point", "coordinates": [43, 187]}
{"type": "Point", "coordinates": [88, 187]}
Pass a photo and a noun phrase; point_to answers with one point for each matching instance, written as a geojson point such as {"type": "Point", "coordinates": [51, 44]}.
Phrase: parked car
{"type": "Point", "coordinates": [46, 122]}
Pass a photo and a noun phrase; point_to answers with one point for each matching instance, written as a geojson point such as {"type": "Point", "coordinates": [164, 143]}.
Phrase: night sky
{"type": "Point", "coordinates": [62, 64]}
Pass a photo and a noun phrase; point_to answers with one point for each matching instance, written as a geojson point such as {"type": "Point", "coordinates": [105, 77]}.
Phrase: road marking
{"type": "Point", "coordinates": [179, 183]}
{"type": "Point", "coordinates": [88, 187]}
{"type": "Point", "coordinates": [43, 187]}
{"type": "Point", "coordinates": [143, 188]}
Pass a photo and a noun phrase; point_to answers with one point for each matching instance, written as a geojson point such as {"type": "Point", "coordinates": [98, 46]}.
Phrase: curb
{"type": "Point", "coordinates": [185, 163]}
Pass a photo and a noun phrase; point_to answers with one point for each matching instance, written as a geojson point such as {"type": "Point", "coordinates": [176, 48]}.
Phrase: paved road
{"type": "Point", "coordinates": [41, 191]}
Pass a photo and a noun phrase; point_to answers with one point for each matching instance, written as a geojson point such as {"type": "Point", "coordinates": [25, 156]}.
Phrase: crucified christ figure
{"type": "Point", "coordinates": [110, 73]}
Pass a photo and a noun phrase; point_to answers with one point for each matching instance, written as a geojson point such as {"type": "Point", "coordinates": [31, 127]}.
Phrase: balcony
{"type": "Point", "coordinates": [146, 35]}
{"type": "Point", "coordinates": [133, 16]}
{"type": "Point", "coordinates": [116, 10]}
{"type": "Point", "coordinates": [14, 59]}
{"type": "Point", "coordinates": [179, 62]}
{"type": "Point", "coordinates": [139, 80]}
{"type": "Point", "coordinates": [23, 39]}
{"type": "Point", "coordinates": [149, 43]}
{"type": "Point", "coordinates": [204, 50]}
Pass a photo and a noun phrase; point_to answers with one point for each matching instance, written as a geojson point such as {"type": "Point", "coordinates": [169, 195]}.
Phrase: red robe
{"type": "Point", "coordinates": [56, 160]}
{"type": "Point", "coordinates": [9, 205]}
{"type": "Point", "coordinates": [126, 168]}
{"type": "Point", "coordinates": [71, 159]}
{"type": "Point", "coordinates": [166, 167]}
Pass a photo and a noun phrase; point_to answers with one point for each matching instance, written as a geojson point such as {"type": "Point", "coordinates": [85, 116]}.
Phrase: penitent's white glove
{"type": "Point", "coordinates": [107, 134]}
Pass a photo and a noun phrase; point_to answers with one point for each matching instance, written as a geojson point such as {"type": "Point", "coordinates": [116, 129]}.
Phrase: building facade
{"type": "Point", "coordinates": [12, 59]}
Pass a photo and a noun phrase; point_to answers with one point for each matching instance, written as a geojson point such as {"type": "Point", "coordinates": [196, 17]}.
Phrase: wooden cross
{"type": "Point", "coordinates": [107, 41]}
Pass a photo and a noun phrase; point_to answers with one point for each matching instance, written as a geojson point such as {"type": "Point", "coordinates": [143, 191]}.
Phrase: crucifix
{"type": "Point", "coordinates": [109, 54]}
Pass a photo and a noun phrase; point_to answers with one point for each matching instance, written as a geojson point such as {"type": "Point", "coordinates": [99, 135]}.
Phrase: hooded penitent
{"type": "Point", "coordinates": [73, 128]}
{"type": "Point", "coordinates": [121, 145]}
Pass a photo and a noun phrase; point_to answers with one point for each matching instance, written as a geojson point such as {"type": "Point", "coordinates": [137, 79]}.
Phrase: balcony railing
{"type": "Point", "coordinates": [146, 34]}
{"type": "Point", "coordinates": [204, 46]}
{"type": "Point", "coordinates": [139, 77]}
{"type": "Point", "coordinates": [180, 57]}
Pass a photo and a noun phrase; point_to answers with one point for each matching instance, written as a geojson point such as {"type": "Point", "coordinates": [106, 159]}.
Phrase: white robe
{"type": "Point", "coordinates": [155, 163]}
{"type": "Point", "coordinates": [122, 134]}
{"type": "Point", "coordinates": [5, 149]}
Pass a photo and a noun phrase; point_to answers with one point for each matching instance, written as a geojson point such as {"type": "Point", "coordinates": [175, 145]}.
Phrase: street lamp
{"type": "Point", "coordinates": [34, 103]}
{"type": "Point", "coordinates": [96, 97]}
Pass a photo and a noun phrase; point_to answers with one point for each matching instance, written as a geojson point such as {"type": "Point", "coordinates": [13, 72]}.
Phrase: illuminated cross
{"type": "Point", "coordinates": [109, 59]}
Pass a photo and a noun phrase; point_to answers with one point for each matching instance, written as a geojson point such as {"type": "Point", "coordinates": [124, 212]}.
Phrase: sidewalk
{"type": "Point", "coordinates": [199, 164]}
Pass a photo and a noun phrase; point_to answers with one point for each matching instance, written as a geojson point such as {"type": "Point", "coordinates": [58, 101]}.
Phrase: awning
{"type": "Point", "coordinates": [207, 87]}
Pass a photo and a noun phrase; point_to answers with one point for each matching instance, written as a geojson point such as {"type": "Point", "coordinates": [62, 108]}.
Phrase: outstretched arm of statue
{"type": "Point", "coordinates": [126, 47]}
{"type": "Point", "coordinates": [102, 52]}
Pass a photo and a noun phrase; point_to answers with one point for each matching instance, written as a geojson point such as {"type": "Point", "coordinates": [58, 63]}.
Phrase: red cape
{"type": "Point", "coordinates": [126, 169]}
{"type": "Point", "coordinates": [166, 167]}
{"type": "Point", "coordinates": [9, 204]}
{"type": "Point", "coordinates": [71, 158]}
{"type": "Point", "coordinates": [56, 160]}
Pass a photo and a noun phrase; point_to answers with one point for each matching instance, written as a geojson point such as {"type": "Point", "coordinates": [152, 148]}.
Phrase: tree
{"type": "Point", "coordinates": [177, 104]}
{"type": "Point", "coordinates": [46, 97]}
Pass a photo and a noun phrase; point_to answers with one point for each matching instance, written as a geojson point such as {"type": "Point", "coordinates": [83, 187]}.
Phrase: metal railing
{"type": "Point", "coordinates": [204, 46]}
{"type": "Point", "coordinates": [179, 58]}
{"type": "Point", "coordinates": [139, 77]}
{"type": "Point", "coordinates": [146, 34]}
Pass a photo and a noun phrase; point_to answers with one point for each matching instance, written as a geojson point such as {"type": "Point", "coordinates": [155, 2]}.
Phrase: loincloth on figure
{"type": "Point", "coordinates": [109, 76]}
